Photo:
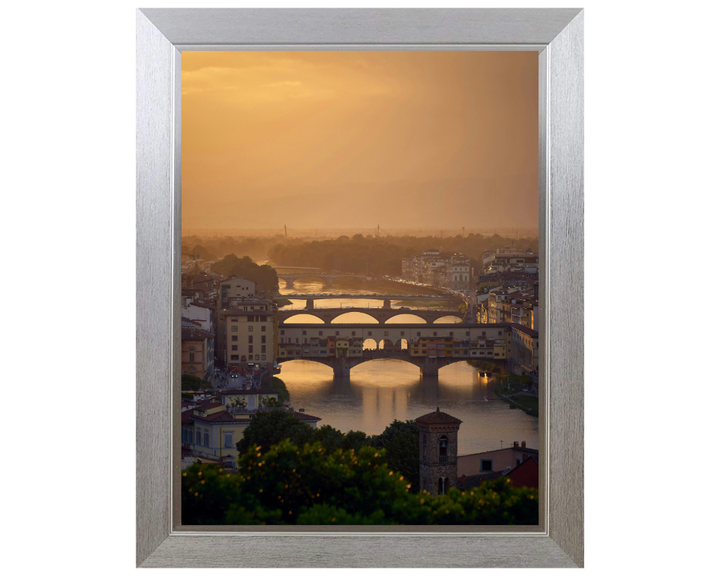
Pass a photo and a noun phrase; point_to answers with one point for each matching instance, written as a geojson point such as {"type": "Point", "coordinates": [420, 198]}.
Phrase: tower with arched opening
{"type": "Point", "coordinates": [438, 451]}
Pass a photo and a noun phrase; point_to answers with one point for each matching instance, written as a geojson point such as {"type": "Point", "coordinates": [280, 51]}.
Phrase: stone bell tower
{"type": "Point", "coordinates": [438, 451]}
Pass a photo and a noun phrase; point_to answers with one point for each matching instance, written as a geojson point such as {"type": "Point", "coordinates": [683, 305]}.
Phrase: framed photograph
{"type": "Point", "coordinates": [359, 288]}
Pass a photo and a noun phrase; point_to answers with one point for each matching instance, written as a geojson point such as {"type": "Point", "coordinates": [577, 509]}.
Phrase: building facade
{"type": "Point", "coordinates": [248, 333]}
{"type": "Point", "coordinates": [197, 352]}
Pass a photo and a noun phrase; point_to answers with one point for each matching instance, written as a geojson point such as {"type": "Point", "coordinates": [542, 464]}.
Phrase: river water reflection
{"type": "Point", "coordinates": [380, 391]}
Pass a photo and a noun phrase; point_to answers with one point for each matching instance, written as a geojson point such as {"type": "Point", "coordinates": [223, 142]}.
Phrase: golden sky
{"type": "Point", "coordinates": [441, 138]}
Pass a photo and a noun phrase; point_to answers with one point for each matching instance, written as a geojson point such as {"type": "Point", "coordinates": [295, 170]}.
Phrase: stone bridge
{"type": "Point", "coordinates": [382, 315]}
{"type": "Point", "coordinates": [327, 278]}
{"type": "Point", "coordinates": [341, 366]}
{"type": "Point", "coordinates": [374, 296]}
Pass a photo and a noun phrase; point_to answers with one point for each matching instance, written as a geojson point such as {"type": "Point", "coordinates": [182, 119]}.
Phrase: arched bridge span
{"type": "Point", "coordinates": [342, 365]}
{"type": "Point", "coordinates": [382, 315]}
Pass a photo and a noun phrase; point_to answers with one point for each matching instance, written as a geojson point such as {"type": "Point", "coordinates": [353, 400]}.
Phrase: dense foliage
{"type": "Point", "coordinates": [279, 387]}
{"type": "Point", "coordinates": [383, 256]}
{"type": "Point", "coordinates": [399, 439]}
{"type": "Point", "coordinates": [359, 254]}
{"type": "Point", "coordinates": [290, 484]}
{"type": "Point", "coordinates": [190, 382]}
{"type": "Point", "coordinates": [220, 246]}
{"type": "Point", "coordinates": [264, 276]}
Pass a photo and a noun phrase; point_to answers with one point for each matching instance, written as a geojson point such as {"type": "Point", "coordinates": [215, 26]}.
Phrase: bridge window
{"type": "Point", "coordinates": [418, 334]}
{"type": "Point", "coordinates": [386, 333]}
{"type": "Point", "coordinates": [434, 333]}
{"type": "Point", "coordinates": [282, 332]}
{"type": "Point", "coordinates": [370, 333]}
{"type": "Point", "coordinates": [320, 333]}
{"type": "Point", "coordinates": [402, 333]}
{"type": "Point", "coordinates": [304, 332]}
{"type": "Point", "coordinates": [451, 334]}
{"type": "Point", "coordinates": [353, 333]}
{"type": "Point", "coordinates": [262, 328]}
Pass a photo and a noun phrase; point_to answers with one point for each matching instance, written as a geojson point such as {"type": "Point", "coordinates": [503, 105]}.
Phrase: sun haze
{"type": "Point", "coordinates": [437, 139]}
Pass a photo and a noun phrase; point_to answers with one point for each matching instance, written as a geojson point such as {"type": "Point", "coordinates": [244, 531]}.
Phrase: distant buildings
{"type": "Point", "coordinates": [237, 326]}
{"type": "Point", "coordinates": [510, 306]}
{"type": "Point", "coordinates": [509, 260]}
{"type": "Point", "coordinates": [235, 289]}
{"type": "Point", "coordinates": [435, 269]}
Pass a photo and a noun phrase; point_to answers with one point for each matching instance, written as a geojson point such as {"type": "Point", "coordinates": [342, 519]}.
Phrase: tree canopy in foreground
{"type": "Point", "coordinates": [399, 439]}
{"type": "Point", "coordinates": [290, 484]}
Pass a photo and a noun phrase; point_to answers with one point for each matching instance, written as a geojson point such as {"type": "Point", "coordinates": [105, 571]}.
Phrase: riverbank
{"type": "Point", "coordinates": [511, 390]}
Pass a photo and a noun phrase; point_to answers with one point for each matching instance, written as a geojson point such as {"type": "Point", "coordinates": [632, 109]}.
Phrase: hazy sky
{"type": "Point", "coordinates": [454, 132]}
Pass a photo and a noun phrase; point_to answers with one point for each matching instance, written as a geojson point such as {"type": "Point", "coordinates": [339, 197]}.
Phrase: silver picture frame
{"type": "Point", "coordinates": [557, 36]}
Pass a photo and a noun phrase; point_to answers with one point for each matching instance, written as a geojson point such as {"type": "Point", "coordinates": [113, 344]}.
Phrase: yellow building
{"type": "Point", "coordinates": [212, 429]}
{"type": "Point", "coordinates": [249, 334]}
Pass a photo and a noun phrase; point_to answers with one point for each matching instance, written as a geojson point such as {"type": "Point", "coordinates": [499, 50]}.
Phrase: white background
{"type": "Point", "coordinates": [68, 188]}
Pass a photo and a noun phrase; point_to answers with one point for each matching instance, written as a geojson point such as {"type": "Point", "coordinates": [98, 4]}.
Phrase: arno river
{"type": "Point", "coordinates": [381, 391]}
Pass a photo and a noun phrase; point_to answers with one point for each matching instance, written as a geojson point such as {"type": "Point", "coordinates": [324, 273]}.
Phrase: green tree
{"type": "Point", "coordinates": [279, 386]}
{"type": "Point", "coordinates": [290, 484]}
{"type": "Point", "coordinates": [190, 382]}
{"type": "Point", "coordinates": [269, 427]}
{"type": "Point", "coordinates": [264, 276]}
{"type": "Point", "coordinates": [401, 441]}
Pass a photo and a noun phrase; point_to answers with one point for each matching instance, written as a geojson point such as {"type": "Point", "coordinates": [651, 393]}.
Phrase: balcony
{"type": "Point", "coordinates": [444, 459]}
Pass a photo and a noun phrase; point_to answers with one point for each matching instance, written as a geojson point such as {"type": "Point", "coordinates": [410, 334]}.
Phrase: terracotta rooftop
{"type": "Point", "coordinates": [438, 417]}
{"type": "Point", "coordinates": [306, 417]}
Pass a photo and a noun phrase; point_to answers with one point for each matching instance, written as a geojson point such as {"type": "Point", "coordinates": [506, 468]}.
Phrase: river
{"type": "Point", "coordinates": [381, 391]}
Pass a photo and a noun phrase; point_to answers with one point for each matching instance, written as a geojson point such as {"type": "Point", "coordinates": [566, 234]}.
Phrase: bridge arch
{"type": "Point", "coordinates": [303, 318]}
{"type": "Point", "coordinates": [366, 318]}
{"type": "Point", "coordinates": [401, 344]}
{"type": "Point", "coordinates": [450, 318]}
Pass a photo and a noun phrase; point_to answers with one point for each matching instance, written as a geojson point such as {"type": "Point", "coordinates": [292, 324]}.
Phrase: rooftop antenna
{"type": "Point", "coordinates": [463, 231]}
{"type": "Point", "coordinates": [285, 231]}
